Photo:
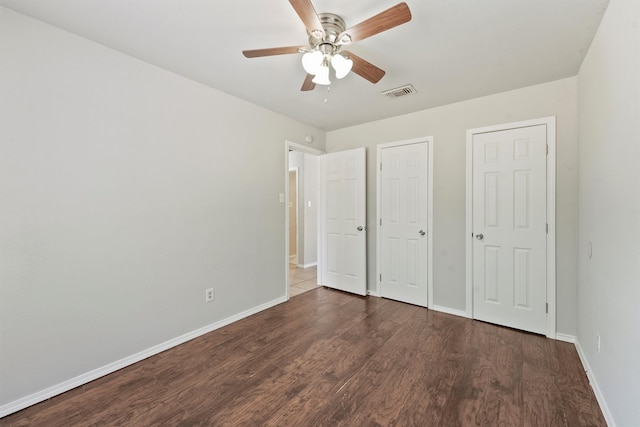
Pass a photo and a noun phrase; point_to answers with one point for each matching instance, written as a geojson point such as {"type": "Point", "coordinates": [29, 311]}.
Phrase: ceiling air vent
{"type": "Point", "coordinates": [400, 91]}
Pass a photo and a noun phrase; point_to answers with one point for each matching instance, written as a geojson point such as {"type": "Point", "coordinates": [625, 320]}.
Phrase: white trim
{"type": "Point", "coordinates": [551, 220]}
{"type": "Point", "coordinates": [296, 170]}
{"type": "Point", "coordinates": [447, 310]}
{"type": "Point", "coordinates": [469, 228]}
{"type": "Point", "coordinates": [87, 377]}
{"type": "Point", "coordinates": [311, 264]}
{"type": "Point", "coordinates": [428, 140]}
{"type": "Point", "coordinates": [374, 293]}
{"type": "Point", "coordinates": [550, 123]}
{"type": "Point", "coordinates": [289, 145]}
{"type": "Point", "coordinates": [566, 338]}
{"type": "Point", "coordinates": [596, 388]}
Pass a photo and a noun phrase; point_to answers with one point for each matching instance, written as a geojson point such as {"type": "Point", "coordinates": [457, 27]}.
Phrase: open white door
{"type": "Point", "coordinates": [344, 237]}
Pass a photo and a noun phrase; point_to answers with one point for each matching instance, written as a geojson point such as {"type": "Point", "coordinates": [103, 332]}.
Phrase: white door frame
{"type": "Point", "coordinates": [289, 145]}
{"type": "Point", "coordinates": [550, 123]}
{"type": "Point", "coordinates": [296, 170]}
{"type": "Point", "coordinates": [429, 141]}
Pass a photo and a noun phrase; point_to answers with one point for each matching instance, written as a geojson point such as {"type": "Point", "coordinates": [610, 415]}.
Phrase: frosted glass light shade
{"type": "Point", "coordinates": [312, 62]}
{"type": "Point", "coordinates": [322, 76]}
{"type": "Point", "coordinates": [342, 65]}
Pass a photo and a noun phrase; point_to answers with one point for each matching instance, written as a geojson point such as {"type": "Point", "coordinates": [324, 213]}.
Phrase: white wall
{"type": "Point", "coordinates": [609, 212]}
{"type": "Point", "coordinates": [296, 161]}
{"type": "Point", "coordinates": [448, 125]}
{"type": "Point", "coordinates": [307, 165]}
{"type": "Point", "coordinates": [125, 191]}
{"type": "Point", "coordinates": [310, 212]}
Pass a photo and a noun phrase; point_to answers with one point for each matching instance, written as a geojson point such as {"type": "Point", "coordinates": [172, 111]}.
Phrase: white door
{"type": "Point", "coordinates": [509, 227]}
{"type": "Point", "coordinates": [343, 191]}
{"type": "Point", "coordinates": [403, 223]}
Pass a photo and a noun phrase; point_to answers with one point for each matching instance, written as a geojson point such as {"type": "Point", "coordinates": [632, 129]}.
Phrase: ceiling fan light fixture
{"type": "Point", "coordinates": [342, 65]}
{"type": "Point", "coordinates": [322, 76]}
{"type": "Point", "coordinates": [312, 62]}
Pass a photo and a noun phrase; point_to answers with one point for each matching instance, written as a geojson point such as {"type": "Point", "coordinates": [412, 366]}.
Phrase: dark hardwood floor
{"type": "Point", "coordinates": [329, 358]}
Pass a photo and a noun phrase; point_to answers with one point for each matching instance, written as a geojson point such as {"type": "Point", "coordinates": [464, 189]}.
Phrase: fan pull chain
{"type": "Point", "coordinates": [326, 100]}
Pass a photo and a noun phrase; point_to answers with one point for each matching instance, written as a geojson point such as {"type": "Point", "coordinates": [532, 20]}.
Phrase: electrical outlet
{"type": "Point", "coordinates": [598, 343]}
{"type": "Point", "coordinates": [208, 295]}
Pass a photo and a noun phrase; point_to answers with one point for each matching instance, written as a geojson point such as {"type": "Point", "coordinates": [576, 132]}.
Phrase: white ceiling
{"type": "Point", "coordinates": [450, 51]}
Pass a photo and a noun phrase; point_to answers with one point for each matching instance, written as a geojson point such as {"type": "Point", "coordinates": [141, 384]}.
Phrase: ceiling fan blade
{"type": "Point", "coordinates": [365, 69]}
{"type": "Point", "coordinates": [254, 53]}
{"type": "Point", "coordinates": [392, 17]}
{"type": "Point", "coordinates": [308, 14]}
{"type": "Point", "coordinates": [308, 84]}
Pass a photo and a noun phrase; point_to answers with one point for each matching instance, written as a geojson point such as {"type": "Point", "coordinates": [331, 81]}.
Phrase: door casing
{"type": "Point", "coordinates": [550, 123]}
{"type": "Point", "coordinates": [291, 193]}
{"type": "Point", "coordinates": [429, 141]}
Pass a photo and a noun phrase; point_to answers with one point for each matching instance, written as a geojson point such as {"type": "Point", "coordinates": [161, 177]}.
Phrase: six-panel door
{"type": "Point", "coordinates": [509, 226]}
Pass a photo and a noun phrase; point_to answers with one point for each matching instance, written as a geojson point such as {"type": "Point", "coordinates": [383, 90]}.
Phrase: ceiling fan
{"type": "Point", "coordinates": [327, 35]}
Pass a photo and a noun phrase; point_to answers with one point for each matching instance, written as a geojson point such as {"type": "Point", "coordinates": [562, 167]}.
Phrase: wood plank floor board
{"type": "Point", "coordinates": [574, 389]}
{"type": "Point", "coordinates": [472, 379]}
{"type": "Point", "coordinates": [334, 359]}
{"type": "Point", "coordinates": [294, 356]}
{"type": "Point", "coordinates": [343, 357]}
{"type": "Point", "coordinates": [282, 353]}
{"type": "Point", "coordinates": [375, 394]}
{"type": "Point", "coordinates": [506, 378]}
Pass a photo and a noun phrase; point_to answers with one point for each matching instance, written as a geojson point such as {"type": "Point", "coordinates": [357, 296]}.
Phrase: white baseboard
{"type": "Point", "coordinates": [312, 264]}
{"type": "Point", "coordinates": [566, 338]}
{"type": "Point", "coordinates": [448, 310]}
{"type": "Point", "coordinates": [596, 388]}
{"type": "Point", "coordinates": [374, 293]}
{"type": "Point", "coordinates": [85, 378]}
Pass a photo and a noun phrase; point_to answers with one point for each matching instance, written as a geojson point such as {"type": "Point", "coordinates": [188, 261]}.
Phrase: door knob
{"type": "Point", "coordinates": [422, 233]}
{"type": "Point", "coordinates": [480, 236]}
{"type": "Point", "coordinates": [360, 228]}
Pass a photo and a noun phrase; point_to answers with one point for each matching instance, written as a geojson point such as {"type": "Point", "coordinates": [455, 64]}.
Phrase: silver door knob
{"type": "Point", "coordinates": [480, 236]}
{"type": "Point", "coordinates": [360, 228]}
{"type": "Point", "coordinates": [422, 233]}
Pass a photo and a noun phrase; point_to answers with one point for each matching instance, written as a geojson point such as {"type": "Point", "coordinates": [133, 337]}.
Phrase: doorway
{"type": "Point", "coordinates": [301, 222]}
{"type": "Point", "coordinates": [511, 225]}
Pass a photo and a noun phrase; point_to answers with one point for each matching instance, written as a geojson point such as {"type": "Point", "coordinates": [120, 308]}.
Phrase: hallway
{"type": "Point", "coordinates": [301, 280]}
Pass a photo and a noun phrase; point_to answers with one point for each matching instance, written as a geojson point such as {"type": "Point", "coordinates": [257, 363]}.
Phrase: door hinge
{"type": "Point", "coordinates": [380, 221]}
{"type": "Point", "coordinates": [547, 149]}
{"type": "Point", "coordinates": [381, 277]}
{"type": "Point", "coordinates": [547, 228]}
{"type": "Point", "coordinates": [380, 166]}
{"type": "Point", "coordinates": [546, 308]}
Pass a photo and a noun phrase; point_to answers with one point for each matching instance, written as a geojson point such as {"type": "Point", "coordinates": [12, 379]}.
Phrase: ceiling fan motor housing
{"type": "Point", "coordinates": [333, 26]}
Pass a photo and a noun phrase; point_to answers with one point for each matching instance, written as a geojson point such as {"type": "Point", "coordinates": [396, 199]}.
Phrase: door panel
{"type": "Point", "coordinates": [343, 189]}
{"type": "Point", "coordinates": [509, 226]}
{"type": "Point", "coordinates": [403, 251]}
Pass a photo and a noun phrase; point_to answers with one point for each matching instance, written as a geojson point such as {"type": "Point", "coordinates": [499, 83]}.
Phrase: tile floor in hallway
{"type": "Point", "coordinates": [301, 280]}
